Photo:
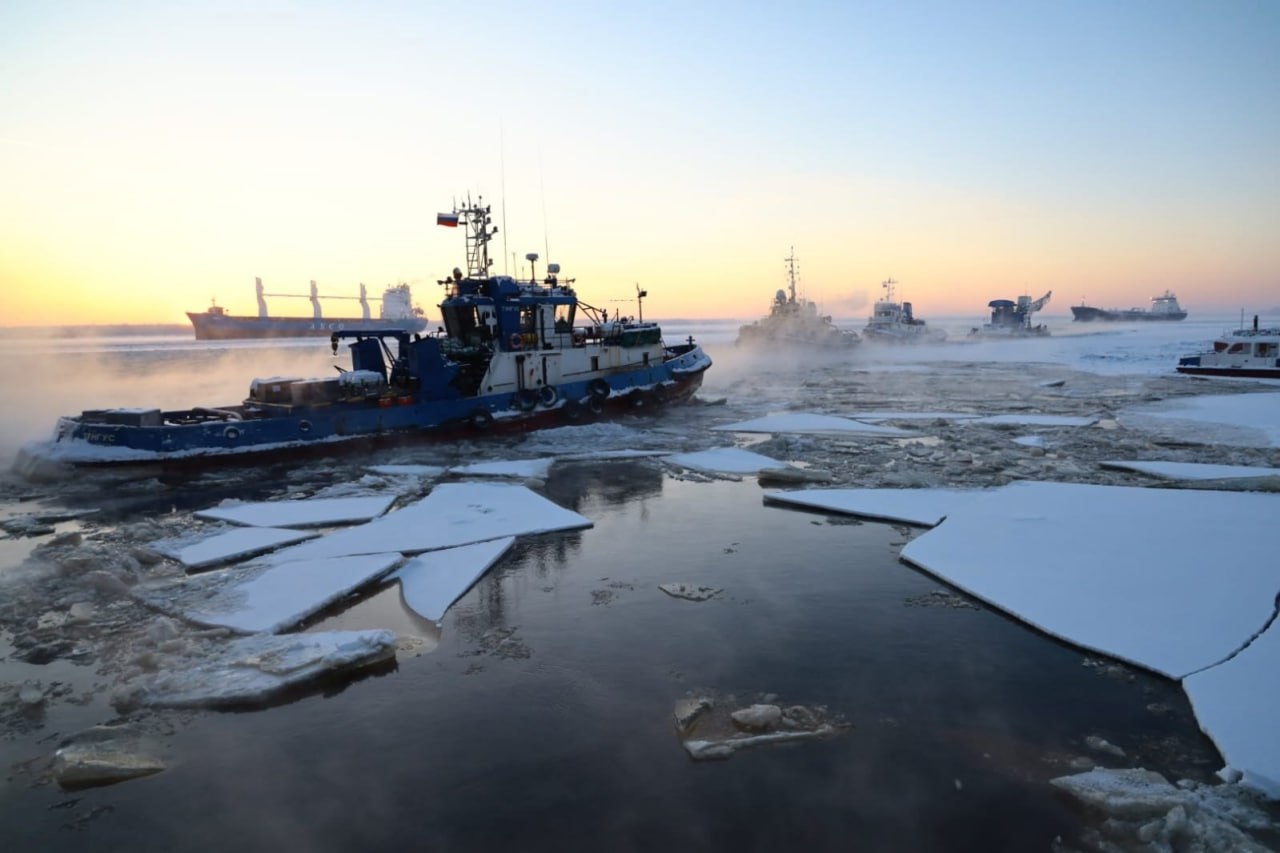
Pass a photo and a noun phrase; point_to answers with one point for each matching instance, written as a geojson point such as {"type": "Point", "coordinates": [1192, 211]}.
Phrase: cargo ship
{"type": "Point", "coordinates": [397, 313]}
{"type": "Point", "coordinates": [1162, 308]}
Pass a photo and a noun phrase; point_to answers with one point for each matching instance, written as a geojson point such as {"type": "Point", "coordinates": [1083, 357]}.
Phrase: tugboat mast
{"type": "Point", "coordinates": [479, 230]}
{"type": "Point", "coordinates": [791, 272]}
{"type": "Point", "coordinates": [888, 284]}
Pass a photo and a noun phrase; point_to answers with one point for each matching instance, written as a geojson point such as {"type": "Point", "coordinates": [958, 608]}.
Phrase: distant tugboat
{"type": "Point", "coordinates": [892, 322]}
{"type": "Point", "coordinates": [1164, 308]}
{"type": "Point", "coordinates": [795, 322]}
{"type": "Point", "coordinates": [1249, 353]}
{"type": "Point", "coordinates": [397, 312]}
{"type": "Point", "coordinates": [1010, 319]}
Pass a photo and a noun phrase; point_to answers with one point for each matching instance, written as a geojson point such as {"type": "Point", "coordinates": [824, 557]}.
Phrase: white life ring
{"type": "Point", "coordinates": [516, 341]}
{"type": "Point", "coordinates": [232, 432]}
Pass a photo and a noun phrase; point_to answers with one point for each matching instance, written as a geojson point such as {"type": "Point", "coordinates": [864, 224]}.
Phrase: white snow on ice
{"type": "Point", "coordinates": [312, 512]}
{"type": "Point", "coordinates": [808, 422]}
{"type": "Point", "coordinates": [453, 514]}
{"type": "Point", "coordinates": [725, 460]}
{"type": "Point", "coordinates": [1192, 470]}
{"type": "Point", "coordinates": [924, 507]}
{"type": "Point", "coordinates": [1237, 704]}
{"type": "Point", "coordinates": [1244, 420]}
{"type": "Point", "coordinates": [433, 581]}
{"type": "Point", "coordinates": [1172, 580]}
{"type": "Point", "coordinates": [258, 668]}
{"type": "Point", "coordinates": [1030, 440]}
{"type": "Point", "coordinates": [231, 545]}
{"type": "Point", "coordinates": [267, 597]}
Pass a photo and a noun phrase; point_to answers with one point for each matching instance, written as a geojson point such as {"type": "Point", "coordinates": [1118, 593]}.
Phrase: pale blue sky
{"type": "Point", "coordinates": [969, 150]}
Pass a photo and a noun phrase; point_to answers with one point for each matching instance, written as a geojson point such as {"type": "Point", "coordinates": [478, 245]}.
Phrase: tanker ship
{"type": "Point", "coordinates": [397, 313]}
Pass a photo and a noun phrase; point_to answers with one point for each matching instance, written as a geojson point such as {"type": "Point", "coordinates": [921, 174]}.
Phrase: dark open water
{"type": "Point", "coordinates": [958, 716]}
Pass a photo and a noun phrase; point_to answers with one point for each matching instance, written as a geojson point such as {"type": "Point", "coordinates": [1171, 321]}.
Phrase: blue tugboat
{"type": "Point", "coordinates": [511, 354]}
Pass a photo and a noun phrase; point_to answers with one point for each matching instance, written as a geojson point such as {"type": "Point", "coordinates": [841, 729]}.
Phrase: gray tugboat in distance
{"type": "Point", "coordinates": [794, 322]}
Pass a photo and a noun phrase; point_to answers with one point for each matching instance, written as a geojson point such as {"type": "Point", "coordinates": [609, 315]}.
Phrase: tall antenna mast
{"type": "Point", "coordinates": [546, 243]}
{"type": "Point", "coordinates": [502, 157]}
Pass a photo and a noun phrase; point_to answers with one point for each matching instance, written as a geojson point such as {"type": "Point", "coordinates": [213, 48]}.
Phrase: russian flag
{"type": "Point", "coordinates": [448, 220]}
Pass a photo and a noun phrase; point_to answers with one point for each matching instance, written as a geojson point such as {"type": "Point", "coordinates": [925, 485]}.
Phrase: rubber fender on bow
{"type": "Point", "coordinates": [548, 395]}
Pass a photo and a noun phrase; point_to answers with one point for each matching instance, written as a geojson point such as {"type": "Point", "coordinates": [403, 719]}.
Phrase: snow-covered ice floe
{"type": "Point", "coordinates": [725, 460]}
{"type": "Point", "coordinates": [257, 669]}
{"type": "Point", "coordinates": [1242, 420]}
{"type": "Point", "coordinates": [1171, 580]}
{"type": "Point", "coordinates": [1192, 470]}
{"type": "Point", "coordinates": [267, 597]}
{"type": "Point", "coordinates": [433, 581]}
{"type": "Point", "coordinates": [453, 514]}
{"type": "Point", "coordinates": [924, 507]}
{"type": "Point", "coordinates": [881, 415]}
{"type": "Point", "coordinates": [1237, 704]}
{"type": "Point", "coordinates": [306, 512]}
{"type": "Point", "coordinates": [230, 545]}
{"type": "Point", "coordinates": [808, 422]}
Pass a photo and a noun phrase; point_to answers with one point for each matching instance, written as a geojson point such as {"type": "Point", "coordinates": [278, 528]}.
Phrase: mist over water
{"type": "Point", "coordinates": [560, 736]}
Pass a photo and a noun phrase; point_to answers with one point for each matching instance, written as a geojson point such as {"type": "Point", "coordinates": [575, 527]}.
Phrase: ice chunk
{"type": "Point", "coordinates": [1172, 580]}
{"type": "Point", "coordinates": [725, 460]}
{"type": "Point", "coordinates": [256, 669]}
{"type": "Point", "coordinates": [912, 416]}
{"type": "Point", "coordinates": [314, 512]}
{"type": "Point", "coordinates": [1192, 470]}
{"type": "Point", "coordinates": [453, 514]}
{"type": "Point", "coordinates": [266, 596]}
{"type": "Point", "coordinates": [1030, 440]}
{"type": "Point", "coordinates": [1237, 703]}
{"type": "Point", "coordinates": [409, 470]}
{"type": "Point", "coordinates": [609, 454]}
{"type": "Point", "coordinates": [525, 468]}
{"type": "Point", "coordinates": [925, 507]}
{"type": "Point", "coordinates": [807, 422]}
{"type": "Point", "coordinates": [433, 581]}
{"type": "Point", "coordinates": [230, 545]}
{"type": "Point", "coordinates": [693, 592]}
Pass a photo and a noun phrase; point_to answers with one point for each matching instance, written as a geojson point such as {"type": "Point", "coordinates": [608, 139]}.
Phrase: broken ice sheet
{"type": "Point", "coordinates": [1243, 420]}
{"type": "Point", "coordinates": [1192, 470]}
{"type": "Point", "coordinates": [433, 581]}
{"type": "Point", "coordinates": [453, 514]}
{"type": "Point", "coordinates": [924, 507]}
{"type": "Point", "coordinates": [1019, 419]}
{"type": "Point", "coordinates": [229, 545]}
{"type": "Point", "coordinates": [257, 669]}
{"type": "Point", "coordinates": [808, 422]}
{"type": "Point", "coordinates": [426, 471]}
{"type": "Point", "coordinates": [912, 416]}
{"type": "Point", "coordinates": [1237, 703]}
{"type": "Point", "coordinates": [306, 512]}
{"type": "Point", "coordinates": [1169, 579]}
{"type": "Point", "coordinates": [526, 468]}
{"type": "Point", "coordinates": [265, 596]}
{"type": "Point", "coordinates": [725, 460]}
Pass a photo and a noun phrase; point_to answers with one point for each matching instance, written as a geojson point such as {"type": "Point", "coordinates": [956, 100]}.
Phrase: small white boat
{"type": "Point", "coordinates": [1253, 353]}
{"type": "Point", "coordinates": [893, 322]}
